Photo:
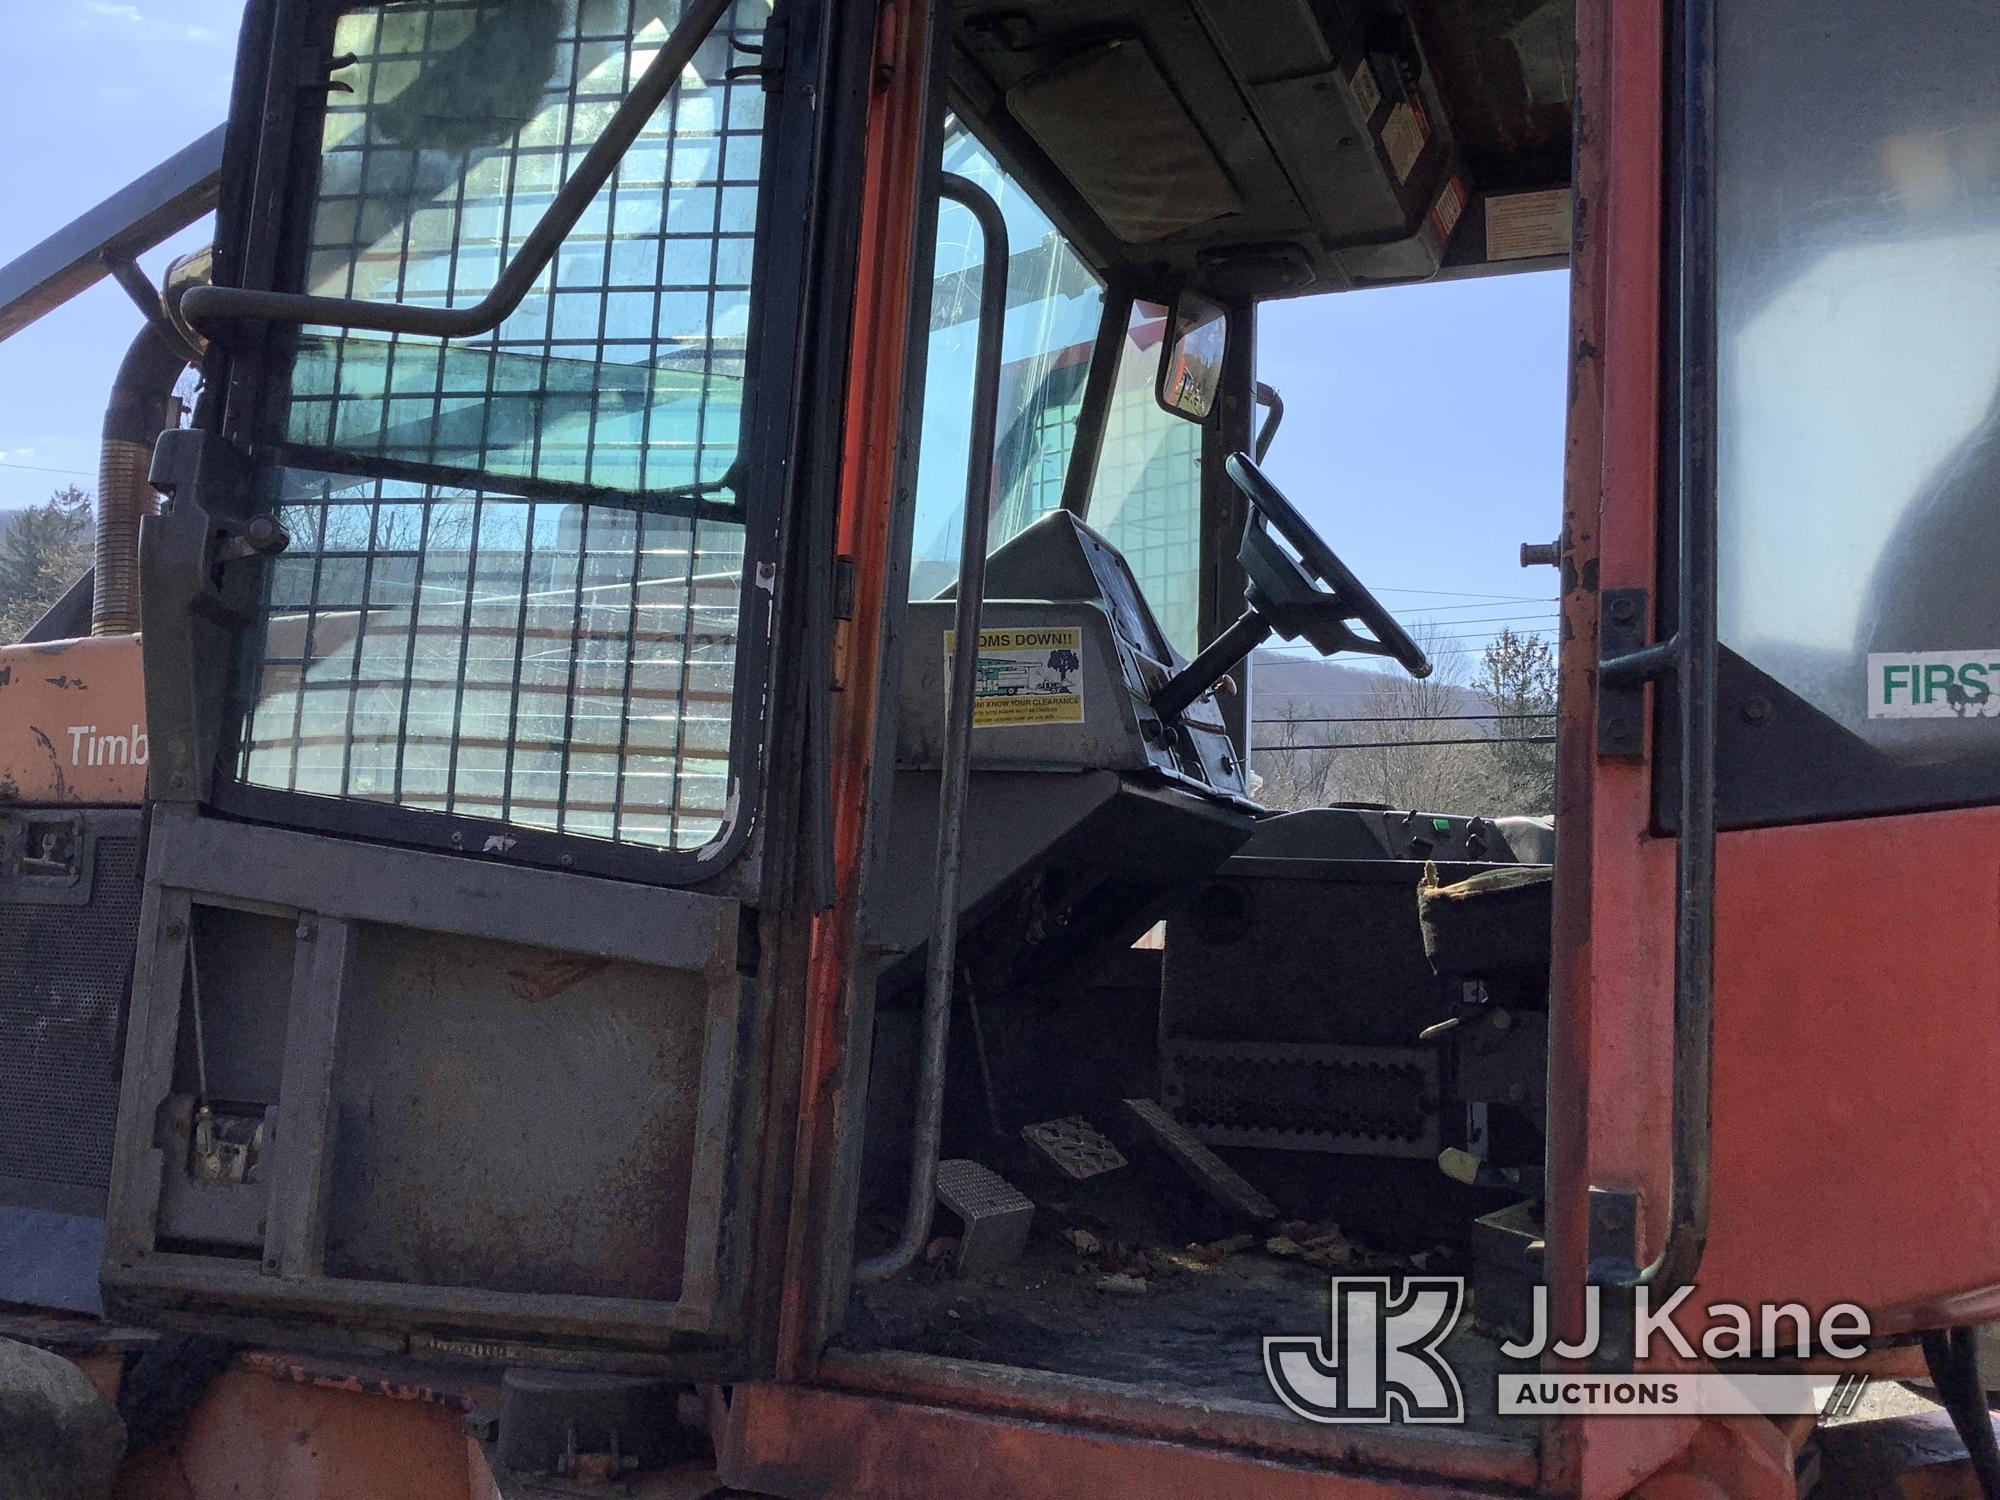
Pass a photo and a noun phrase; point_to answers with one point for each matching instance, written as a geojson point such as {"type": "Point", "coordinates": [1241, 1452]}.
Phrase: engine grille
{"type": "Point", "coordinates": [64, 968]}
{"type": "Point", "coordinates": [1369, 1101]}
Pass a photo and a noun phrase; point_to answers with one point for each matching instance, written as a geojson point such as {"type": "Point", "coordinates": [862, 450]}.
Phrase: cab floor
{"type": "Point", "coordinates": [1193, 1332]}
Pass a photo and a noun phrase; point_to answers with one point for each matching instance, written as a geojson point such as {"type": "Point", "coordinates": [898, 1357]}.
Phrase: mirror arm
{"type": "Point", "coordinates": [1268, 397]}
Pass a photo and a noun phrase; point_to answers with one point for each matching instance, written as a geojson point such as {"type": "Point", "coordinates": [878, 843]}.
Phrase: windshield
{"type": "Point", "coordinates": [1054, 304]}
{"type": "Point", "coordinates": [1146, 494]}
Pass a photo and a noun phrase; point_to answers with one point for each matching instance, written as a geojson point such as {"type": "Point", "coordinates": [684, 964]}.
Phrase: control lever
{"type": "Point", "coordinates": [1174, 695]}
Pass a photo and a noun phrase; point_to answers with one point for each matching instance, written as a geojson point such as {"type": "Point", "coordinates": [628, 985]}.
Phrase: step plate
{"type": "Point", "coordinates": [996, 1214]}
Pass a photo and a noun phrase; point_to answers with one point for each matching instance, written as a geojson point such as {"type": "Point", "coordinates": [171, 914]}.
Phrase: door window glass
{"type": "Point", "coordinates": [1858, 301]}
{"type": "Point", "coordinates": [534, 662]}
{"type": "Point", "coordinates": [513, 590]}
{"type": "Point", "coordinates": [623, 366]}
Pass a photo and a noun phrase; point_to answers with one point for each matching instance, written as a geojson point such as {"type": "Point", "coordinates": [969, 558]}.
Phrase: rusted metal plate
{"type": "Point", "coordinates": [460, 1390]}
{"type": "Point", "coordinates": [476, 1146]}
{"type": "Point", "coordinates": [797, 1441]}
{"type": "Point", "coordinates": [73, 723]}
{"type": "Point", "coordinates": [255, 1435]}
{"type": "Point", "coordinates": [1477, 1458]}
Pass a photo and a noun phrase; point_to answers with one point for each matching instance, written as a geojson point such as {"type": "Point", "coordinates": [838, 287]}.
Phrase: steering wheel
{"type": "Point", "coordinates": [1312, 594]}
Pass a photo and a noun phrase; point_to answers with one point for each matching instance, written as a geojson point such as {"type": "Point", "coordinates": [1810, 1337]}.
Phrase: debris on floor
{"type": "Point", "coordinates": [1083, 1241]}
{"type": "Point", "coordinates": [1122, 1283]}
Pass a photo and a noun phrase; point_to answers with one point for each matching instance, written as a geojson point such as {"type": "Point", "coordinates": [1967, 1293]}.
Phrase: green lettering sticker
{"type": "Point", "coordinates": [1933, 685]}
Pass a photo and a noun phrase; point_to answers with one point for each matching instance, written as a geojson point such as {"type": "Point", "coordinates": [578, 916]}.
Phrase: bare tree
{"type": "Point", "coordinates": [1402, 746]}
{"type": "Point", "coordinates": [1292, 759]}
{"type": "Point", "coordinates": [1517, 678]}
{"type": "Point", "coordinates": [1412, 759]}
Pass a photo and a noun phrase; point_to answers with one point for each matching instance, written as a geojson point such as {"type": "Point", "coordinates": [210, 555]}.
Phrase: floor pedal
{"type": "Point", "coordinates": [1077, 1148]}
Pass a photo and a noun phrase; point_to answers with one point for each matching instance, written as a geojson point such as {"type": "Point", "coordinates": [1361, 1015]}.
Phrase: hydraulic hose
{"type": "Point", "coordinates": [142, 407]}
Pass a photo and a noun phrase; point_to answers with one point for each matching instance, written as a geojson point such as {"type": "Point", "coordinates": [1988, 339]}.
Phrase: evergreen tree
{"type": "Point", "coordinates": [44, 551]}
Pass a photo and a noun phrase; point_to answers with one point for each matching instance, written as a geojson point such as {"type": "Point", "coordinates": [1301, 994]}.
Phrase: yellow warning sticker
{"type": "Point", "coordinates": [1028, 676]}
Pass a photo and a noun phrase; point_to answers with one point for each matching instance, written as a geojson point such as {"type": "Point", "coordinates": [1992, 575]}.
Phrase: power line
{"type": "Point", "coordinates": [1525, 739]}
{"type": "Point", "coordinates": [1539, 614]}
{"type": "Point", "coordinates": [1539, 713]}
{"type": "Point", "coordinates": [40, 469]}
{"type": "Point", "coordinates": [1461, 594]}
{"type": "Point", "coordinates": [1427, 610]}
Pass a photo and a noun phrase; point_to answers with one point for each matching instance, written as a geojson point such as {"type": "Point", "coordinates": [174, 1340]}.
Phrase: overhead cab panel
{"type": "Point", "coordinates": [1282, 148]}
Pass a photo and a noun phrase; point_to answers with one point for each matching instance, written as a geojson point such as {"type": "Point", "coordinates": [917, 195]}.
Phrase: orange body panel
{"type": "Point", "coordinates": [870, 452]}
{"type": "Point", "coordinates": [1610, 1025]}
{"type": "Point", "coordinates": [1857, 1064]}
{"type": "Point", "coordinates": [793, 1440]}
{"type": "Point", "coordinates": [73, 723]}
{"type": "Point", "coordinates": [258, 1435]}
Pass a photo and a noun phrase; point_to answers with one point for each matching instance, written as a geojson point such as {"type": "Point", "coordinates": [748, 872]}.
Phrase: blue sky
{"type": "Point", "coordinates": [99, 92]}
{"type": "Point", "coordinates": [1423, 428]}
{"type": "Point", "coordinates": [1423, 439]}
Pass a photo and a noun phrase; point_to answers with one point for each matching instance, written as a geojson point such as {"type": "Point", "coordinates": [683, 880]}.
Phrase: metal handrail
{"type": "Point", "coordinates": [205, 307]}
{"type": "Point", "coordinates": [940, 970]}
{"type": "Point", "coordinates": [1689, 657]}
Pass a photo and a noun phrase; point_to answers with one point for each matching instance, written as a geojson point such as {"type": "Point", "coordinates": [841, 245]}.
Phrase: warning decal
{"type": "Point", "coordinates": [1934, 684]}
{"type": "Point", "coordinates": [1403, 137]}
{"type": "Point", "coordinates": [1521, 226]}
{"type": "Point", "coordinates": [1025, 677]}
{"type": "Point", "coordinates": [1367, 93]}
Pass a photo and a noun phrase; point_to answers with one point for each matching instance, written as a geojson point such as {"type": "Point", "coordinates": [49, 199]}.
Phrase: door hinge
{"type": "Point", "coordinates": [1626, 665]}
{"type": "Point", "coordinates": [771, 74]}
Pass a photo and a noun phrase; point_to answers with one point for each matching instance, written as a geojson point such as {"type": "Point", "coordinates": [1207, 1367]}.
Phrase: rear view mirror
{"type": "Point", "coordinates": [1191, 363]}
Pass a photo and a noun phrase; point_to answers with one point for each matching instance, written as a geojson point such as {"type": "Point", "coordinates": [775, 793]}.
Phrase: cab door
{"type": "Point", "coordinates": [479, 649]}
{"type": "Point", "coordinates": [1774, 917]}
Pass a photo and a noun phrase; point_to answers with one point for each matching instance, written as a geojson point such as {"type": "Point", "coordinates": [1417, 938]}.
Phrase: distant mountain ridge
{"type": "Point", "coordinates": [1284, 682]}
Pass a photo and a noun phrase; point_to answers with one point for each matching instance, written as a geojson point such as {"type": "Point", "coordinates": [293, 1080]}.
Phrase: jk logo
{"type": "Point", "coordinates": [1381, 1359]}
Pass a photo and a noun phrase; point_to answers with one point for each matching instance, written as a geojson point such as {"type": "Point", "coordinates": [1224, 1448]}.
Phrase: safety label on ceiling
{"type": "Point", "coordinates": [1367, 93]}
{"type": "Point", "coordinates": [1933, 684]}
{"type": "Point", "coordinates": [1403, 137]}
{"type": "Point", "coordinates": [1524, 225]}
{"type": "Point", "coordinates": [1026, 676]}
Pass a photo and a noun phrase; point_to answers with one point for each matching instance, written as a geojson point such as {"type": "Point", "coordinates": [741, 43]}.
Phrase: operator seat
{"type": "Point", "coordinates": [1533, 839]}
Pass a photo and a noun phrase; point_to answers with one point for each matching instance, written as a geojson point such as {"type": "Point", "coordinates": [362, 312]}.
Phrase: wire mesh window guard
{"type": "Point", "coordinates": [516, 566]}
